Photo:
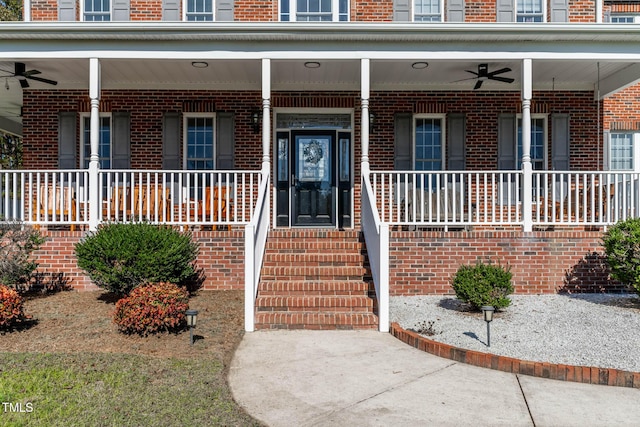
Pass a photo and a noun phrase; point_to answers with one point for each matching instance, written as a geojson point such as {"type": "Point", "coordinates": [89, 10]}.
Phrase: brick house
{"type": "Point", "coordinates": [324, 166]}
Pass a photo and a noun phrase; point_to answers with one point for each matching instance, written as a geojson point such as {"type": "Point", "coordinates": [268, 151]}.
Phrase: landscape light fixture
{"type": "Point", "coordinates": [487, 311]}
{"type": "Point", "coordinates": [255, 121]}
{"type": "Point", "coordinates": [192, 318]}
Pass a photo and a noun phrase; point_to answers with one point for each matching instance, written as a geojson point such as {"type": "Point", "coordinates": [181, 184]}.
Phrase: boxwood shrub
{"type": "Point", "coordinates": [121, 257]}
{"type": "Point", "coordinates": [483, 284]}
{"type": "Point", "coordinates": [622, 252]}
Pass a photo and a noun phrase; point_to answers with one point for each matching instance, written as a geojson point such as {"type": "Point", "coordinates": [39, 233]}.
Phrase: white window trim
{"type": "Point", "coordinates": [84, 116]}
{"type": "Point", "coordinates": [184, 11]}
{"type": "Point", "coordinates": [635, 140]}
{"type": "Point", "coordinates": [545, 117]}
{"type": "Point", "coordinates": [413, 12]}
{"type": "Point", "coordinates": [185, 118]}
{"type": "Point", "coordinates": [335, 11]}
{"type": "Point", "coordinates": [82, 2]}
{"type": "Point", "coordinates": [443, 148]}
{"type": "Point", "coordinates": [515, 12]}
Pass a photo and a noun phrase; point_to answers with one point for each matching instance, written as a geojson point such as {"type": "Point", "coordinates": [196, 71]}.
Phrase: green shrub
{"type": "Point", "coordinates": [17, 243]}
{"type": "Point", "coordinates": [121, 257]}
{"type": "Point", "coordinates": [622, 252]}
{"type": "Point", "coordinates": [11, 309]}
{"type": "Point", "coordinates": [483, 284]}
{"type": "Point", "coordinates": [152, 308]}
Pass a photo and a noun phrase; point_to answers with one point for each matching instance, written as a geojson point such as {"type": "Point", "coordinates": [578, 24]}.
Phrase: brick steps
{"type": "Point", "coordinates": [315, 320]}
{"type": "Point", "coordinates": [311, 287]}
{"type": "Point", "coordinates": [315, 279]}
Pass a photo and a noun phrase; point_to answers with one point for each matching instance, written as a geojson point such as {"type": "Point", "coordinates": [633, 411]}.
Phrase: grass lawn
{"type": "Point", "coordinates": [72, 368]}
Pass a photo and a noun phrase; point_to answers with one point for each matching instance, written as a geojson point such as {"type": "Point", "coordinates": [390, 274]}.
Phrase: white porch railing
{"type": "Point", "coordinates": [255, 238]}
{"type": "Point", "coordinates": [43, 197]}
{"type": "Point", "coordinates": [61, 197]}
{"type": "Point", "coordinates": [376, 234]}
{"type": "Point", "coordinates": [465, 198]}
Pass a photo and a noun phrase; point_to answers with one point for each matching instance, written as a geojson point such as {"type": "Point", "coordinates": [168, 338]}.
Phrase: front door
{"type": "Point", "coordinates": [313, 181]}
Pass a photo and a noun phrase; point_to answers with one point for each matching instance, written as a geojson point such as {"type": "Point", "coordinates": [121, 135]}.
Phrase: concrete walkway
{"type": "Point", "coordinates": [368, 378]}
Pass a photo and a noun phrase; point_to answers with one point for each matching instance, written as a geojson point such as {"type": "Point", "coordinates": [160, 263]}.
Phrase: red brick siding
{"type": "Point", "coordinates": [44, 10]}
{"type": "Point", "coordinates": [147, 108]}
{"type": "Point", "coordinates": [480, 11]}
{"type": "Point", "coordinates": [482, 110]}
{"type": "Point", "coordinates": [622, 110]}
{"type": "Point", "coordinates": [361, 11]}
{"type": "Point", "coordinates": [145, 10]}
{"type": "Point", "coordinates": [580, 11]}
{"type": "Point", "coordinates": [256, 10]}
{"type": "Point", "coordinates": [221, 257]}
{"type": "Point", "coordinates": [424, 262]}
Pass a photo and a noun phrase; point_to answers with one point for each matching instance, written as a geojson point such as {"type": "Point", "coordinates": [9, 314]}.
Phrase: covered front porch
{"type": "Point", "coordinates": [400, 131]}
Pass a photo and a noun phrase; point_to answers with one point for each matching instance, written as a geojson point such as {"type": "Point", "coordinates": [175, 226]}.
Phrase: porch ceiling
{"type": "Point", "coordinates": [133, 58]}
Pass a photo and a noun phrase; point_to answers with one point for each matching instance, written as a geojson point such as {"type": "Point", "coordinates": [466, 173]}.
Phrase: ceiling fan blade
{"type": "Point", "coordinates": [23, 83]}
{"type": "Point", "coordinates": [478, 84]}
{"type": "Point", "coordinates": [502, 79]}
{"type": "Point", "coordinates": [31, 73]}
{"type": "Point", "coordinates": [464, 80]}
{"type": "Point", "coordinates": [500, 71]}
{"type": "Point", "coordinates": [472, 72]}
{"type": "Point", "coordinates": [40, 79]}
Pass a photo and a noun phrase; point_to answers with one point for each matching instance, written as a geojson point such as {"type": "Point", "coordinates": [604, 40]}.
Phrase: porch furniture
{"type": "Point", "coordinates": [445, 206]}
{"type": "Point", "coordinates": [208, 209]}
{"type": "Point", "coordinates": [55, 202]}
{"type": "Point", "coordinates": [596, 197]}
{"type": "Point", "coordinates": [119, 206]}
{"type": "Point", "coordinates": [155, 203]}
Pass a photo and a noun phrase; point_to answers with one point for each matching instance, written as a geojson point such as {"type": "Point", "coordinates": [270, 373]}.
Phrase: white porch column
{"type": "Point", "coordinates": [527, 171]}
{"type": "Point", "coordinates": [364, 120]}
{"type": "Point", "coordinates": [94, 162]}
{"type": "Point", "coordinates": [26, 11]}
{"type": "Point", "coordinates": [266, 113]}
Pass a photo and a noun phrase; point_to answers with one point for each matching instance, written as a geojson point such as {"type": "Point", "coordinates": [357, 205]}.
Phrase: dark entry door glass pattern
{"type": "Point", "coordinates": [313, 182]}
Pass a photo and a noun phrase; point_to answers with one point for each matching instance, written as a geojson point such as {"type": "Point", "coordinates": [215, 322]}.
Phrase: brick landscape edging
{"type": "Point", "coordinates": [578, 374]}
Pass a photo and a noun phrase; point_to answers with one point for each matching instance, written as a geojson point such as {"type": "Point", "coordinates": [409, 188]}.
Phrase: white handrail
{"type": "Point", "coordinates": [255, 242]}
{"type": "Point", "coordinates": [376, 235]}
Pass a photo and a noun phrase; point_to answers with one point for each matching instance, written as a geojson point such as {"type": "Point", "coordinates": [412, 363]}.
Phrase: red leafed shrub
{"type": "Point", "coordinates": [152, 308]}
{"type": "Point", "coordinates": [11, 310]}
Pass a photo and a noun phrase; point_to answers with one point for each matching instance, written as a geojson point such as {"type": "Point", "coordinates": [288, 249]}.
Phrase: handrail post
{"type": "Point", "coordinates": [249, 261]}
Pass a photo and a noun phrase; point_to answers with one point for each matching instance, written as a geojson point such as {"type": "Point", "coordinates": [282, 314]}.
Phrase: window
{"type": "Point", "coordinates": [199, 142]}
{"type": "Point", "coordinates": [625, 19]}
{"type": "Point", "coordinates": [538, 143]}
{"type": "Point", "coordinates": [97, 10]}
{"type": "Point", "coordinates": [622, 149]}
{"type": "Point", "coordinates": [314, 10]}
{"type": "Point", "coordinates": [199, 10]}
{"type": "Point", "coordinates": [428, 143]}
{"type": "Point", "coordinates": [104, 140]}
{"type": "Point", "coordinates": [529, 11]}
{"type": "Point", "coordinates": [427, 11]}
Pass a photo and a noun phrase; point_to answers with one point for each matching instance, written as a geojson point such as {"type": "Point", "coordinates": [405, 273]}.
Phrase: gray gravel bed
{"type": "Point", "coordinates": [601, 330]}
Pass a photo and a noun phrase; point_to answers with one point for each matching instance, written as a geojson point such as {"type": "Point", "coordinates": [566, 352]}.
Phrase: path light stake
{"type": "Point", "coordinates": [488, 310]}
{"type": "Point", "coordinates": [192, 318]}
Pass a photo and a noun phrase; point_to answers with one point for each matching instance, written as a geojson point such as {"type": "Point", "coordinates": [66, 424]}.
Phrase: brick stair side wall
{"type": "Point", "coordinates": [424, 262]}
{"type": "Point", "coordinates": [221, 257]}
